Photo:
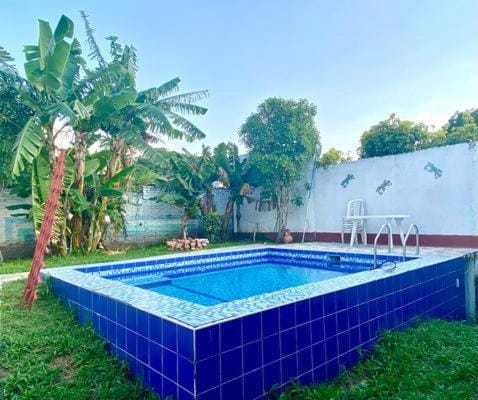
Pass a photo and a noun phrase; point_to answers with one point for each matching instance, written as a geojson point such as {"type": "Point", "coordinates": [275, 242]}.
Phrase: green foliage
{"type": "Point", "coordinates": [184, 180]}
{"type": "Point", "coordinates": [392, 136]}
{"type": "Point", "coordinates": [333, 156]}
{"type": "Point", "coordinates": [281, 137]}
{"type": "Point", "coordinates": [103, 99]}
{"type": "Point", "coordinates": [212, 225]}
{"type": "Point", "coordinates": [462, 127]}
{"type": "Point", "coordinates": [436, 360]}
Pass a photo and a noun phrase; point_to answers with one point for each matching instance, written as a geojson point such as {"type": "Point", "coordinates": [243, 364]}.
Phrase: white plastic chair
{"type": "Point", "coordinates": [355, 208]}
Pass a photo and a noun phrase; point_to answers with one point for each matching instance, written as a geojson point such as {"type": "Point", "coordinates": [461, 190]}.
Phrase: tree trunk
{"type": "Point", "coordinates": [184, 224]}
{"type": "Point", "coordinates": [226, 218]}
{"type": "Point", "coordinates": [77, 232]}
{"type": "Point", "coordinates": [283, 207]}
{"type": "Point", "coordinates": [116, 152]}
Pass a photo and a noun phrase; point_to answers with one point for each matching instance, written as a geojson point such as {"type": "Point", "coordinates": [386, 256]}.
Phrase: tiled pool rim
{"type": "Point", "coordinates": [85, 295]}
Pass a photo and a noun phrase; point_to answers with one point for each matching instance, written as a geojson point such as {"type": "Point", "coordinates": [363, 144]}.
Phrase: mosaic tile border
{"type": "Point", "coordinates": [196, 316]}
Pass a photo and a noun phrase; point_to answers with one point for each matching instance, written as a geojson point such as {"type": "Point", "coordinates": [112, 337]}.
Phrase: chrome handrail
{"type": "Point", "coordinates": [376, 240]}
{"type": "Point", "coordinates": [417, 241]}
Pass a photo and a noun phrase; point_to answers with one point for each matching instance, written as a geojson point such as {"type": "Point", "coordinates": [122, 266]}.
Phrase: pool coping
{"type": "Point", "coordinates": [196, 316]}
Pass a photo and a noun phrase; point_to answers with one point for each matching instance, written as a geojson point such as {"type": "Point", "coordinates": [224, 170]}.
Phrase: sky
{"type": "Point", "coordinates": [358, 61]}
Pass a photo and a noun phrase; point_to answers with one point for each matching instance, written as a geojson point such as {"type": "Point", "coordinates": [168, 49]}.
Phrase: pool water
{"type": "Point", "coordinates": [226, 285]}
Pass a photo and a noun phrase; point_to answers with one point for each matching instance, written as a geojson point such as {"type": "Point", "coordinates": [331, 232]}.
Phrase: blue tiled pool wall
{"type": "Point", "coordinates": [187, 265]}
{"type": "Point", "coordinates": [313, 340]}
{"type": "Point", "coordinates": [310, 340]}
{"type": "Point", "coordinates": [158, 351]}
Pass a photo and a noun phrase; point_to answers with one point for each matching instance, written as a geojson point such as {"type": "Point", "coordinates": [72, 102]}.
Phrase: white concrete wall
{"type": "Point", "coordinates": [442, 204]}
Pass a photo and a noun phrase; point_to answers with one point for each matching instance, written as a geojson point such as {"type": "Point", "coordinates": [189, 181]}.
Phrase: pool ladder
{"type": "Point", "coordinates": [389, 241]}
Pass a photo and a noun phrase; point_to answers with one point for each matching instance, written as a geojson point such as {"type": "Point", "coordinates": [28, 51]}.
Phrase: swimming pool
{"type": "Point", "coordinates": [231, 324]}
{"type": "Point", "coordinates": [212, 288]}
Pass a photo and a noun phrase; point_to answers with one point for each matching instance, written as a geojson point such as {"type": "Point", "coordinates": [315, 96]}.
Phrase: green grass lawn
{"type": "Point", "coordinates": [436, 360]}
{"type": "Point", "coordinates": [45, 354]}
{"type": "Point", "coordinates": [23, 264]}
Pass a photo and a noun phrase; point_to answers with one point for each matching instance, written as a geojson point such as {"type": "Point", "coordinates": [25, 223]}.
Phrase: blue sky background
{"type": "Point", "coordinates": [358, 61]}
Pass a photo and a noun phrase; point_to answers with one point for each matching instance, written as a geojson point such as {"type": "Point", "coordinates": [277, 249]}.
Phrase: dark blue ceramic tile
{"type": "Point", "coordinates": [332, 369]}
{"type": "Point", "coordinates": [231, 364]}
{"type": "Point", "coordinates": [232, 390]}
{"type": "Point", "coordinates": [318, 332]}
{"type": "Point", "coordinates": [121, 337]}
{"type": "Point", "coordinates": [330, 322]}
{"type": "Point", "coordinates": [143, 349]}
{"type": "Point", "coordinates": [288, 342]}
{"type": "Point", "coordinates": [354, 337]}
{"type": "Point", "coordinates": [85, 298]}
{"type": "Point", "coordinates": [155, 356]}
{"type": "Point", "coordinates": [304, 360]}
{"type": "Point", "coordinates": [170, 335]}
{"type": "Point", "coordinates": [362, 293]}
{"type": "Point", "coordinates": [317, 307]}
{"type": "Point", "coordinates": [253, 384]}
{"type": "Point", "coordinates": [207, 342]}
{"type": "Point", "coordinates": [270, 322]}
{"type": "Point", "coordinates": [185, 342]}
{"type": "Point", "coordinates": [287, 316]}
{"type": "Point", "coordinates": [169, 388]}
{"type": "Point", "coordinates": [131, 318]}
{"type": "Point", "coordinates": [251, 328]}
{"type": "Point", "coordinates": [213, 394]}
{"type": "Point", "coordinates": [100, 304]}
{"type": "Point", "coordinates": [352, 296]}
{"type": "Point", "coordinates": [288, 368]}
{"type": "Point", "coordinates": [156, 382]}
{"type": "Point", "coordinates": [318, 353]}
{"type": "Point", "coordinates": [207, 374]}
{"type": "Point", "coordinates": [331, 348]}
{"type": "Point", "coordinates": [231, 334]}
{"type": "Point", "coordinates": [184, 395]}
{"type": "Point", "coordinates": [320, 374]}
{"type": "Point", "coordinates": [272, 376]}
{"type": "Point", "coordinates": [363, 313]}
{"type": "Point", "coordinates": [131, 343]}
{"type": "Point", "coordinates": [372, 309]}
{"type": "Point", "coordinates": [111, 309]}
{"type": "Point", "coordinates": [364, 333]}
{"type": "Point", "coordinates": [271, 348]}
{"type": "Point", "coordinates": [342, 321]}
{"type": "Point", "coordinates": [302, 312]}
{"type": "Point", "coordinates": [121, 313]}
{"type": "Point", "coordinates": [372, 290]}
{"type": "Point", "coordinates": [252, 355]}
{"type": "Point", "coordinates": [353, 316]}
{"type": "Point", "coordinates": [343, 342]}
{"type": "Point", "coordinates": [304, 337]}
{"type": "Point", "coordinates": [341, 300]}
{"type": "Point", "coordinates": [142, 319]}
{"type": "Point", "coordinates": [329, 303]}
{"type": "Point", "coordinates": [155, 329]}
{"type": "Point", "coordinates": [170, 364]}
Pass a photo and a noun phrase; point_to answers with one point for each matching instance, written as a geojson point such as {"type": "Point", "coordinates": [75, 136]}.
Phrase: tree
{"type": "Point", "coordinates": [281, 137]}
{"type": "Point", "coordinates": [333, 156]}
{"type": "Point", "coordinates": [226, 158]}
{"type": "Point", "coordinates": [462, 127]}
{"type": "Point", "coordinates": [185, 181]}
{"type": "Point", "coordinates": [392, 136]}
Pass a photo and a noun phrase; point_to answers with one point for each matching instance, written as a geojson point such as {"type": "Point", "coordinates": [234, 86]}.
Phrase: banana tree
{"type": "Point", "coordinates": [226, 158]}
{"type": "Point", "coordinates": [184, 182]}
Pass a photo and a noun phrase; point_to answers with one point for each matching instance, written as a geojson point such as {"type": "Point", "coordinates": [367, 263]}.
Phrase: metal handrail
{"type": "Point", "coordinates": [376, 240]}
{"type": "Point", "coordinates": [417, 241]}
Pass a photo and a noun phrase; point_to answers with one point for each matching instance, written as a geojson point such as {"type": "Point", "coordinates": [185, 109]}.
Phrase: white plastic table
{"type": "Point", "coordinates": [388, 220]}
